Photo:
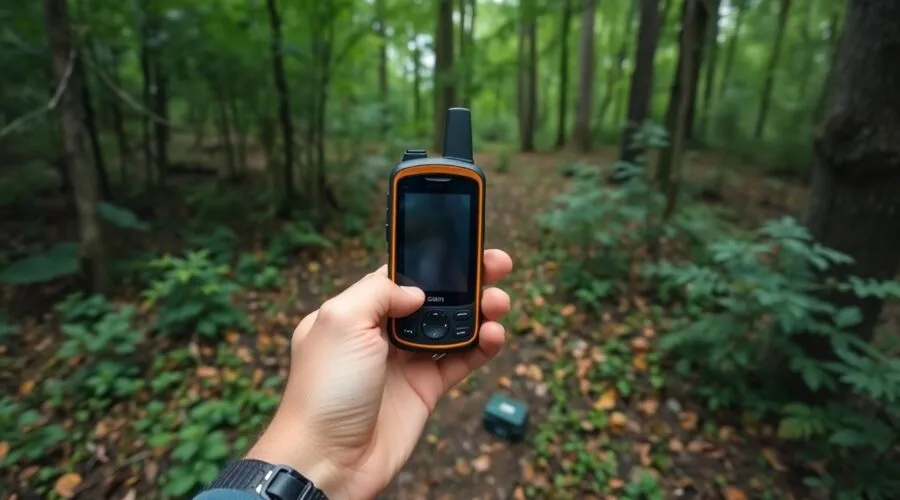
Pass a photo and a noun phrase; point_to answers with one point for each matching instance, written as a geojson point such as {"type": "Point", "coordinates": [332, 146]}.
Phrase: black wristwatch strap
{"type": "Point", "coordinates": [270, 482]}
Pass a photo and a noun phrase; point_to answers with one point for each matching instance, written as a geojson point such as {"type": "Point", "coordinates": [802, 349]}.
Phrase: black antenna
{"type": "Point", "coordinates": [458, 135]}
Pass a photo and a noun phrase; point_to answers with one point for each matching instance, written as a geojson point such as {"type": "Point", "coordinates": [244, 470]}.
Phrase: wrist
{"type": "Point", "coordinates": [289, 444]}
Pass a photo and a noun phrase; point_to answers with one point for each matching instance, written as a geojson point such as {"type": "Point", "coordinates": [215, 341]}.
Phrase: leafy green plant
{"type": "Point", "coordinates": [193, 293]}
{"type": "Point", "coordinates": [754, 309]}
{"type": "Point", "coordinates": [112, 334]}
{"type": "Point", "coordinates": [254, 271]}
{"type": "Point", "coordinates": [83, 309]}
{"type": "Point", "coordinates": [220, 244]}
{"type": "Point", "coordinates": [121, 217]}
{"type": "Point", "coordinates": [295, 236]}
{"type": "Point", "coordinates": [58, 261]}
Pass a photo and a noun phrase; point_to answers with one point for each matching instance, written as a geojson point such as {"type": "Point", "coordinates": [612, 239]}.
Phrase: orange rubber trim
{"type": "Point", "coordinates": [440, 169]}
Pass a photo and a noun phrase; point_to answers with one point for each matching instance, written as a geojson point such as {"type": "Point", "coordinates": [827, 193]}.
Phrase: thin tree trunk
{"type": "Point", "coordinates": [161, 109]}
{"type": "Point", "coordinates": [682, 97]}
{"type": "Point", "coordinates": [766, 98]}
{"type": "Point", "coordinates": [239, 133]}
{"type": "Point", "coordinates": [118, 119]}
{"type": "Point", "coordinates": [444, 86]}
{"type": "Point", "coordinates": [528, 75]}
{"type": "Point", "coordinates": [641, 96]}
{"type": "Point", "coordinates": [564, 30]}
{"type": "Point", "coordinates": [712, 46]}
{"type": "Point", "coordinates": [84, 178]}
{"type": "Point", "coordinates": [146, 92]}
{"type": "Point", "coordinates": [284, 107]}
{"type": "Point", "coordinates": [582, 129]}
{"type": "Point", "coordinates": [725, 83]}
{"type": "Point", "coordinates": [382, 64]}
{"type": "Point", "coordinates": [417, 84]}
{"type": "Point", "coordinates": [467, 77]}
{"type": "Point", "coordinates": [90, 124]}
{"type": "Point", "coordinates": [855, 201]}
{"type": "Point", "coordinates": [615, 72]}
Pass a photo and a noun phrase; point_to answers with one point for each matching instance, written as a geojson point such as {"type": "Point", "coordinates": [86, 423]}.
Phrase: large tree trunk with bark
{"type": "Point", "coordinates": [444, 86]}
{"type": "Point", "coordinates": [84, 178]}
{"type": "Point", "coordinates": [527, 77]}
{"type": "Point", "coordinates": [765, 100]}
{"type": "Point", "coordinates": [564, 30]}
{"type": "Point", "coordinates": [284, 107]}
{"type": "Point", "coordinates": [640, 98]}
{"type": "Point", "coordinates": [855, 201]}
{"type": "Point", "coordinates": [582, 129]}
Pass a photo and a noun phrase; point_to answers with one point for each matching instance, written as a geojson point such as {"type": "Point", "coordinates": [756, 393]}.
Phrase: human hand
{"type": "Point", "coordinates": [355, 406]}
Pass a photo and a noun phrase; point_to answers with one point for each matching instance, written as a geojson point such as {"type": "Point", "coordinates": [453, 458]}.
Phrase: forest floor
{"type": "Point", "coordinates": [619, 422]}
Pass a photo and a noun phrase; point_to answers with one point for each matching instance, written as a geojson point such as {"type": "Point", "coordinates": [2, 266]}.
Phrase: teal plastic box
{"type": "Point", "coordinates": [505, 417]}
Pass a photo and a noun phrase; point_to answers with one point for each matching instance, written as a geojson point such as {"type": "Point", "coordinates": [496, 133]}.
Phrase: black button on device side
{"type": "Point", "coordinates": [435, 325]}
{"type": "Point", "coordinates": [461, 333]}
{"type": "Point", "coordinates": [414, 154]}
{"type": "Point", "coordinates": [462, 315]}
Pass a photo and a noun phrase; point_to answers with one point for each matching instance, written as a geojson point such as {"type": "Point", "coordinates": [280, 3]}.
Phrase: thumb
{"type": "Point", "coordinates": [370, 301]}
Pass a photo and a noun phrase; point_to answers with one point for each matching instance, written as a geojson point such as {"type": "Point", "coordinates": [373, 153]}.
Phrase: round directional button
{"type": "Point", "coordinates": [435, 325]}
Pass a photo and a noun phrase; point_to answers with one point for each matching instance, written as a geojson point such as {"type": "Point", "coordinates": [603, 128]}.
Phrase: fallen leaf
{"type": "Point", "coordinates": [130, 495]}
{"type": "Point", "coordinates": [648, 406]}
{"type": "Point", "coordinates": [26, 387]}
{"type": "Point", "coordinates": [67, 484]}
{"type": "Point", "coordinates": [567, 311]}
{"type": "Point", "coordinates": [504, 382]}
{"type": "Point", "coordinates": [519, 494]}
{"type": "Point", "coordinates": [4, 450]}
{"type": "Point", "coordinates": [732, 493]}
{"type": "Point", "coordinates": [615, 483]}
{"type": "Point", "coordinates": [431, 438]}
{"type": "Point", "coordinates": [462, 467]}
{"type": "Point", "coordinates": [313, 267]}
{"type": "Point", "coordinates": [639, 361]}
{"type": "Point", "coordinates": [726, 433]}
{"type": "Point", "coordinates": [688, 420]}
{"type": "Point", "coordinates": [454, 393]}
{"type": "Point", "coordinates": [528, 473]}
{"type": "Point", "coordinates": [28, 472]}
{"type": "Point", "coordinates": [535, 373]}
{"type": "Point", "coordinates": [618, 420]}
{"type": "Point", "coordinates": [640, 344]}
{"type": "Point", "coordinates": [151, 470]}
{"type": "Point", "coordinates": [521, 369]}
{"type": "Point", "coordinates": [232, 337]}
{"type": "Point", "coordinates": [607, 401]}
{"type": "Point", "coordinates": [482, 463]}
{"type": "Point", "coordinates": [771, 456]}
{"type": "Point", "coordinates": [539, 301]}
{"type": "Point", "coordinates": [698, 446]}
{"type": "Point", "coordinates": [207, 371]}
{"type": "Point", "coordinates": [643, 451]}
{"type": "Point", "coordinates": [676, 446]}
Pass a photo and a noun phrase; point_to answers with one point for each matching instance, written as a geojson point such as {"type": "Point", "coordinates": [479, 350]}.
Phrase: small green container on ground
{"type": "Point", "coordinates": [505, 417]}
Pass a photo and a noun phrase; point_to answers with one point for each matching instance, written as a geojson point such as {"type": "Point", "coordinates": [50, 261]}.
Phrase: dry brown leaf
{"type": "Point", "coordinates": [732, 493]}
{"type": "Point", "coordinates": [28, 472]}
{"type": "Point", "coordinates": [431, 438]}
{"type": "Point", "coordinates": [504, 382]}
{"type": "Point", "coordinates": [130, 495]}
{"type": "Point", "coordinates": [67, 484]}
{"type": "Point", "coordinates": [26, 387]}
{"type": "Point", "coordinates": [482, 463]}
{"type": "Point", "coordinates": [538, 329]}
{"type": "Point", "coordinates": [726, 433]}
{"type": "Point", "coordinates": [454, 393]}
{"type": "Point", "coordinates": [207, 371]}
{"type": "Point", "coordinates": [521, 369]}
{"type": "Point", "coordinates": [232, 337]}
{"type": "Point", "coordinates": [688, 420]}
{"type": "Point", "coordinates": [615, 483]}
{"type": "Point", "coordinates": [640, 344]}
{"type": "Point", "coordinates": [607, 401]}
{"type": "Point", "coordinates": [535, 373]}
{"type": "Point", "coordinates": [771, 456]}
{"type": "Point", "coordinates": [462, 467]}
{"type": "Point", "coordinates": [618, 420]}
{"type": "Point", "coordinates": [313, 267]}
{"type": "Point", "coordinates": [675, 445]}
{"type": "Point", "coordinates": [699, 446]}
{"type": "Point", "coordinates": [567, 311]}
{"type": "Point", "coordinates": [519, 494]}
{"type": "Point", "coordinates": [4, 450]}
{"type": "Point", "coordinates": [151, 470]}
{"type": "Point", "coordinates": [639, 361]}
{"type": "Point", "coordinates": [648, 406]}
{"type": "Point", "coordinates": [538, 301]}
{"type": "Point", "coordinates": [528, 472]}
{"type": "Point", "coordinates": [643, 452]}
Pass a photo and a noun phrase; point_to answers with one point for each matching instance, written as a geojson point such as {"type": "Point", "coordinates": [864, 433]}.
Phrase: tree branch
{"type": "Point", "coordinates": [51, 105]}
{"type": "Point", "coordinates": [123, 95]}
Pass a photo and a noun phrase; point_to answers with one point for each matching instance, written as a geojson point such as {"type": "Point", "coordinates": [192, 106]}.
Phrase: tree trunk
{"type": "Point", "coordinates": [444, 85]}
{"type": "Point", "coordinates": [417, 84]}
{"type": "Point", "coordinates": [284, 108]}
{"type": "Point", "coordinates": [564, 30]}
{"type": "Point", "coordinates": [118, 119]}
{"type": "Point", "coordinates": [766, 98]}
{"type": "Point", "coordinates": [640, 98]}
{"type": "Point", "coordinates": [682, 100]}
{"type": "Point", "coordinates": [239, 133]}
{"type": "Point", "coordinates": [582, 129]}
{"type": "Point", "coordinates": [161, 109]}
{"type": "Point", "coordinates": [146, 88]}
{"type": "Point", "coordinates": [90, 123]}
{"type": "Point", "coordinates": [612, 78]}
{"type": "Point", "coordinates": [527, 94]}
{"type": "Point", "coordinates": [732, 51]}
{"type": "Point", "coordinates": [855, 202]}
{"type": "Point", "coordinates": [382, 64]}
{"type": "Point", "coordinates": [84, 178]}
{"type": "Point", "coordinates": [712, 46]}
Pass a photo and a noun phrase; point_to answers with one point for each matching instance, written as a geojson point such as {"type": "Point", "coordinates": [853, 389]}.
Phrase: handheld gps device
{"type": "Point", "coordinates": [435, 234]}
